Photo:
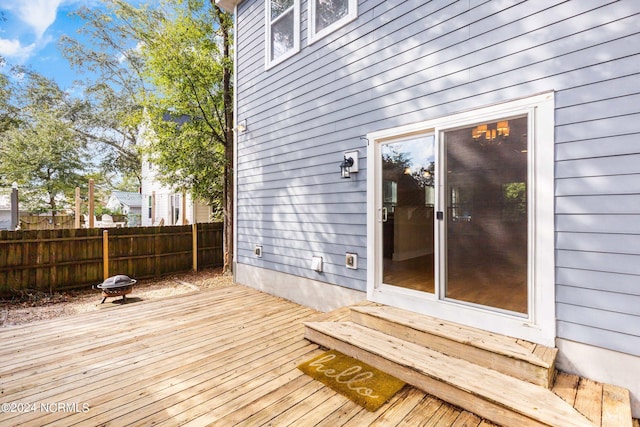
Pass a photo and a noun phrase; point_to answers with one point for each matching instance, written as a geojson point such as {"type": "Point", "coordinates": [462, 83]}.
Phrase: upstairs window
{"type": "Point", "coordinates": [283, 30]}
{"type": "Point", "coordinates": [326, 16]}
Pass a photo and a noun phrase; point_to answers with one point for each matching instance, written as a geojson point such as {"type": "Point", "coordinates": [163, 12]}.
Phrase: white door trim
{"type": "Point", "coordinates": [539, 326]}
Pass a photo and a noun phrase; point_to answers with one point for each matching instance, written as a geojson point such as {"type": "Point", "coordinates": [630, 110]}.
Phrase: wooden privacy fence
{"type": "Point", "coordinates": [55, 260]}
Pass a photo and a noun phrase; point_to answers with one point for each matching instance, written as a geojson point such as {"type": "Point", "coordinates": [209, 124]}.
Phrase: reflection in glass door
{"type": "Point", "coordinates": [408, 198]}
{"type": "Point", "coordinates": [486, 218]}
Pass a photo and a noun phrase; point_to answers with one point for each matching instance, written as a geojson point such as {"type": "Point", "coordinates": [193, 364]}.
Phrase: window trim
{"type": "Point", "coordinates": [315, 36]}
{"type": "Point", "coordinates": [269, 63]}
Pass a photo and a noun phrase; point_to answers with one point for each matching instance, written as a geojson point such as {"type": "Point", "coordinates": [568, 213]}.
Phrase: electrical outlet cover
{"type": "Point", "coordinates": [351, 261]}
{"type": "Point", "coordinates": [316, 263]}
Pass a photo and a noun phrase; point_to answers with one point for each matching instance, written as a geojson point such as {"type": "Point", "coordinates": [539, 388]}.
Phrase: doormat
{"type": "Point", "coordinates": [367, 386]}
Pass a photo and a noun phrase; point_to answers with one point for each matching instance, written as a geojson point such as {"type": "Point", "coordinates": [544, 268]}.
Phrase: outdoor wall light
{"type": "Point", "coordinates": [349, 165]}
{"type": "Point", "coordinates": [242, 126]}
{"type": "Point", "coordinates": [345, 167]}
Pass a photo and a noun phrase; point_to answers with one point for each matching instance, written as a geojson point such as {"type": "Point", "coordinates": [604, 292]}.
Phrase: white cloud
{"type": "Point", "coordinates": [14, 49]}
{"type": "Point", "coordinates": [37, 14]}
{"type": "Point", "coordinates": [32, 19]}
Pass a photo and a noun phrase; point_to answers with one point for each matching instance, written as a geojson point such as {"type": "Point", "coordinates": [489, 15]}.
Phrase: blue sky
{"type": "Point", "coordinates": [30, 35]}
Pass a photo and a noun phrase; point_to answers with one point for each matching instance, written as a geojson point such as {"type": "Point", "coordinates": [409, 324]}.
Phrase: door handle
{"type": "Point", "coordinates": [384, 215]}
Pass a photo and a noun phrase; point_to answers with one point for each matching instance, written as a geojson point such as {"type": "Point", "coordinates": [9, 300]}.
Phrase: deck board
{"type": "Point", "coordinates": [225, 356]}
{"type": "Point", "coordinates": [409, 399]}
{"type": "Point", "coordinates": [566, 386]}
{"type": "Point", "coordinates": [612, 396]}
{"type": "Point", "coordinates": [589, 400]}
{"type": "Point", "coordinates": [467, 419]}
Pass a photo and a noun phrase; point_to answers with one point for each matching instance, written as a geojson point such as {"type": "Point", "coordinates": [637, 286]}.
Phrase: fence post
{"type": "Point", "coordinates": [105, 253]}
{"type": "Point", "coordinates": [76, 223]}
{"type": "Point", "coordinates": [184, 209]}
{"type": "Point", "coordinates": [153, 208]}
{"type": "Point", "coordinates": [15, 211]}
{"type": "Point", "coordinates": [194, 233]}
{"type": "Point", "coordinates": [91, 204]}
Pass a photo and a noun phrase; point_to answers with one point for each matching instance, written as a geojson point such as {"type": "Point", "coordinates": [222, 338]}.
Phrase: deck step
{"type": "Point", "coordinates": [520, 359]}
{"type": "Point", "coordinates": [483, 391]}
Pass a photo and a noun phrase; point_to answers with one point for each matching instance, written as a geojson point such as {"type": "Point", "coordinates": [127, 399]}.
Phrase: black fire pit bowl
{"type": "Point", "coordinates": [116, 286]}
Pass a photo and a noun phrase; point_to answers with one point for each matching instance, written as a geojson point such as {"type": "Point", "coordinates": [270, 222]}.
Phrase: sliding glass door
{"type": "Point", "coordinates": [461, 218]}
{"type": "Point", "coordinates": [476, 229]}
{"type": "Point", "coordinates": [485, 238]}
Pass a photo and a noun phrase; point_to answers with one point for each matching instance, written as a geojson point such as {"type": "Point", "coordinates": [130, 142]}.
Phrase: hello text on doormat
{"type": "Point", "coordinates": [364, 384]}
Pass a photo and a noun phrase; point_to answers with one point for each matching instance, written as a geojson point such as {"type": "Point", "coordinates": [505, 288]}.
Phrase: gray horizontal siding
{"type": "Point", "coordinates": [392, 67]}
{"type": "Point", "coordinates": [402, 62]}
{"type": "Point", "coordinates": [600, 242]}
{"type": "Point", "coordinates": [318, 184]}
{"type": "Point", "coordinates": [289, 247]}
{"type": "Point", "coordinates": [308, 185]}
{"type": "Point", "coordinates": [626, 164]}
{"type": "Point", "coordinates": [602, 300]}
{"type": "Point", "coordinates": [598, 280]}
{"type": "Point", "coordinates": [598, 185]}
{"type": "Point", "coordinates": [407, 33]}
{"type": "Point", "coordinates": [599, 261]}
{"type": "Point", "coordinates": [601, 319]}
{"type": "Point", "coordinates": [317, 211]}
{"type": "Point", "coordinates": [620, 106]}
{"type": "Point", "coordinates": [353, 235]}
{"type": "Point", "coordinates": [599, 204]}
{"type": "Point", "coordinates": [297, 265]}
{"type": "Point", "coordinates": [612, 88]}
{"type": "Point", "coordinates": [588, 334]}
{"type": "Point", "coordinates": [595, 147]}
{"type": "Point", "coordinates": [598, 223]}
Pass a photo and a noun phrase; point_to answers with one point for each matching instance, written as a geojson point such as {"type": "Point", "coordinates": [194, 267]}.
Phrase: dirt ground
{"type": "Point", "coordinates": [35, 306]}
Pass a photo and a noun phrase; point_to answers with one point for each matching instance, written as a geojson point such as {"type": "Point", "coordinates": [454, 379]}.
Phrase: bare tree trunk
{"type": "Point", "coordinates": [54, 210]}
{"type": "Point", "coordinates": [228, 191]}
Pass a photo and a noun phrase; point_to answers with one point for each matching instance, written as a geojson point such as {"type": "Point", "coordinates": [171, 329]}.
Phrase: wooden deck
{"type": "Point", "coordinates": [218, 357]}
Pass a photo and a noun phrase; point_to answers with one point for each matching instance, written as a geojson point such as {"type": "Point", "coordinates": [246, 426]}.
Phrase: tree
{"type": "Point", "coordinates": [188, 61]}
{"type": "Point", "coordinates": [171, 65]}
{"type": "Point", "coordinates": [114, 89]}
{"type": "Point", "coordinates": [43, 153]}
{"type": "Point", "coordinates": [8, 112]}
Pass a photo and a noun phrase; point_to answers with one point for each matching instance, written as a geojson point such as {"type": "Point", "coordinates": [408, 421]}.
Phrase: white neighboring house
{"type": "Point", "coordinates": [161, 205]}
{"type": "Point", "coordinates": [5, 209]}
{"type": "Point", "coordinates": [5, 212]}
{"type": "Point", "coordinates": [128, 203]}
